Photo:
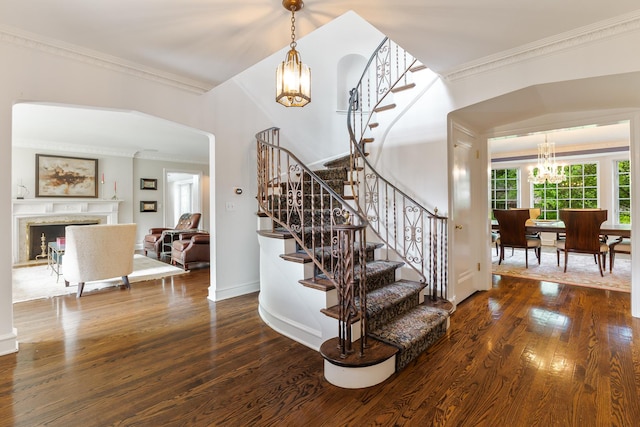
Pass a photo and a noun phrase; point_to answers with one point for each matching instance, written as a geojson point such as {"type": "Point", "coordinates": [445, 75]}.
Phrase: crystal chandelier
{"type": "Point", "coordinates": [293, 78]}
{"type": "Point", "coordinates": [547, 168]}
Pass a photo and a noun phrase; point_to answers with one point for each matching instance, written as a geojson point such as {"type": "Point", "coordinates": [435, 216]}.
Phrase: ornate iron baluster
{"type": "Point", "coordinates": [401, 223]}
{"type": "Point", "coordinates": [322, 224]}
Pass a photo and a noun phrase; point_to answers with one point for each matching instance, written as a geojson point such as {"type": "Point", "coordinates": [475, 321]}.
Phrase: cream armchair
{"type": "Point", "coordinates": [98, 252]}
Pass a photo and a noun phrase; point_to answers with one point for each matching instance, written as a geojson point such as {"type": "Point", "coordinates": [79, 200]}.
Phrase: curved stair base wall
{"type": "Point", "coordinates": [287, 306]}
{"type": "Point", "coordinates": [361, 377]}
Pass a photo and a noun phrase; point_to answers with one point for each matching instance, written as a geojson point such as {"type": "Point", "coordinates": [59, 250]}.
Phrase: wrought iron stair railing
{"type": "Point", "coordinates": [324, 226]}
{"type": "Point", "coordinates": [417, 235]}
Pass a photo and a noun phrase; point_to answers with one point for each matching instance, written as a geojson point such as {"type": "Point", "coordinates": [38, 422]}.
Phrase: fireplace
{"type": "Point", "coordinates": [32, 217]}
{"type": "Point", "coordinates": [41, 233]}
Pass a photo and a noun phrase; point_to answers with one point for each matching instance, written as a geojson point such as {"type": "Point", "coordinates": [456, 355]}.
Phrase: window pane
{"type": "Point", "coordinates": [579, 190]}
{"type": "Point", "coordinates": [504, 188]}
{"type": "Point", "coordinates": [623, 191]}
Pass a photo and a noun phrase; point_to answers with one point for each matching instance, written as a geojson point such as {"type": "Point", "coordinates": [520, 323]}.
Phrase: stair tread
{"type": "Point", "coordinates": [402, 88]}
{"type": "Point", "coordinates": [334, 312]}
{"type": "Point", "coordinates": [418, 67]}
{"type": "Point", "coordinates": [319, 283]}
{"type": "Point", "coordinates": [376, 352]}
{"type": "Point", "coordinates": [377, 299]}
{"type": "Point", "coordinates": [378, 265]}
{"type": "Point", "coordinates": [405, 330]}
{"type": "Point", "coordinates": [303, 257]}
{"type": "Point", "coordinates": [277, 234]}
{"type": "Point", "coordinates": [299, 257]}
{"type": "Point", "coordinates": [385, 108]}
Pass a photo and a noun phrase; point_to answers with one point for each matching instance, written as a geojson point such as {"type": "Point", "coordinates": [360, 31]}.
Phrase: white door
{"type": "Point", "coordinates": [468, 211]}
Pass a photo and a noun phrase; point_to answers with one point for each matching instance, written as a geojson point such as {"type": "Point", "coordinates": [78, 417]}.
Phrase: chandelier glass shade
{"type": "Point", "coordinates": [293, 78]}
{"type": "Point", "coordinates": [547, 170]}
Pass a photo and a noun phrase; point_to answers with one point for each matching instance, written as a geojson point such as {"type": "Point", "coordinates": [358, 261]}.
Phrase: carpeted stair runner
{"type": "Point", "coordinates": [413, 332]}
{"type": "Point", "coordinates": [395, 315]}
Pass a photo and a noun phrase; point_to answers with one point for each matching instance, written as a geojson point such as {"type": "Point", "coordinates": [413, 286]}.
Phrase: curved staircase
{"type": "Point", "coordinates": [382, 293]}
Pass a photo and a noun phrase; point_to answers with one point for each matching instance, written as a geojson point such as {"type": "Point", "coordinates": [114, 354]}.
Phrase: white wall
{"type": "Point", "coordinates": [114, 168]}
{"type": "Point", "coordinates": [316, 131]}
{"type": "Point", "coordinates": [245, 105]}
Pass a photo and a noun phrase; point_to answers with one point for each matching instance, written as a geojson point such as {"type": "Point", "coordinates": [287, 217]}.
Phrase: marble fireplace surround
{"type": "Point", "coordinates": [27, 212]}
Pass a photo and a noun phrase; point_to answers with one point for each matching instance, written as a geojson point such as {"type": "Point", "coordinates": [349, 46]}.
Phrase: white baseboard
{"type": "Point", "coordinates": [9, 343]}
{"type": "Point", "coordinates": [236, 291]}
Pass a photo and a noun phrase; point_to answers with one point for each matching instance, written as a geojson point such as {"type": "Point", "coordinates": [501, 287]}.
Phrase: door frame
{"type": "Point", "coordinates": [477, 222]}
{"type": "Point", "coordinates": [168, 207]}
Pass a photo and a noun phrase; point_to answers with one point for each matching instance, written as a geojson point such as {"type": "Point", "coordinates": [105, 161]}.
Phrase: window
{"type": "Point", "coordinates": [622, 188]}
{"type": "Point", "coordinates": [504, 189]}
{"type": "Point", "coordinates": [578, 191]}
{"type": "Point", "coordinates": [184, 197]}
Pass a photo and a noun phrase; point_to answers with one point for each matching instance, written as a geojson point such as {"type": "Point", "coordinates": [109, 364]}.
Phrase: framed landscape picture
{"type": "Point", "coordinates": [61, 176]}
{"type": "Point", "coordinates": [148, 184]}
{"type": "Point", "coordinates": [149, 206]}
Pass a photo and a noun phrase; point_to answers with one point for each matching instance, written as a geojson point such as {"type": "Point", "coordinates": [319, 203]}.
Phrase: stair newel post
{"type": "Point", "coordinates": [344, 281]}
{"type": "Point", "coordinates": [347, 281]}
{"type": "Point", "coordinates": [362, 287]}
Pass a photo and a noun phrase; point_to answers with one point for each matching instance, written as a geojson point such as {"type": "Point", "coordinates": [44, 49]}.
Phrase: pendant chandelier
{"type": "Point", "coordinates": [293, 78]}
{"type": "Point", "coordinates": [547, 168]}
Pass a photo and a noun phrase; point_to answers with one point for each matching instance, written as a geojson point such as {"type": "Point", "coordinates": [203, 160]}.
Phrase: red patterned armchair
{"type": "Point", "coordinates": [157, 238]}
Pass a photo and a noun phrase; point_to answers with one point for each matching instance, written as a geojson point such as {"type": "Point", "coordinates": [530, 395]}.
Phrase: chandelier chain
{"type": "Point", "coordinates": [293, 43]}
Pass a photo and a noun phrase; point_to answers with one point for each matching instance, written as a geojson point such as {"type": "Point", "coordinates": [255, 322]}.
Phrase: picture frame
{"type": "Point", "coordinates": [63, 176]}
{"type": "Point", "coordinates": [149, 206]}
{"type": "Point", "coordinates": [148, 184]}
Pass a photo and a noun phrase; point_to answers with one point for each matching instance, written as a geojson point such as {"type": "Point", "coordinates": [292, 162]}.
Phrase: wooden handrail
{"type": "Point", "coordinates": [417, 235]}
{"type": "Point", "coordinates": [323, 224]}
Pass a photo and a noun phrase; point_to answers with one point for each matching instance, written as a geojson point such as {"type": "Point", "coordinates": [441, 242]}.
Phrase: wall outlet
{"type": "Point", "coordinates": [231, 206]}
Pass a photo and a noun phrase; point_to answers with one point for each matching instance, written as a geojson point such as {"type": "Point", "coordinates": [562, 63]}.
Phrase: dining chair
{"type": "Point", "coordinates": [620, 245]}
{"type": "Point", "coordinates": [534, 213]}
{"type": "Point", "coordinates": [583, 235]}
{"type": "Point", "coordinates": [511, 226]}
{"type": "Point", "coordinates": [495, 239]}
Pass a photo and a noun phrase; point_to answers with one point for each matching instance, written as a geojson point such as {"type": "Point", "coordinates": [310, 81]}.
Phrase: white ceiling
{"type": "Point", "coordinates": [109, 132]}
{"type": "Point", "coordinates": [213, 40]}
{"type": "Point", "coordinates": [205, 42]}
{"type": "Point", "coordinates": [578, 139]}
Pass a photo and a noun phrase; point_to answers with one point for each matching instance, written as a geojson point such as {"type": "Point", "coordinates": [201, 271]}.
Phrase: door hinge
{"type": "Point", "coordinates": [478, 266]}
{"type": "Point", "coordinates": [477, 154]}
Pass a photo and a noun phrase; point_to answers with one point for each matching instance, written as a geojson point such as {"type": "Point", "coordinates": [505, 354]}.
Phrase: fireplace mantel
{"type": "Point", "coordinates": [47, 209]}
{"type": "Point", "coordinates": [35, 207]}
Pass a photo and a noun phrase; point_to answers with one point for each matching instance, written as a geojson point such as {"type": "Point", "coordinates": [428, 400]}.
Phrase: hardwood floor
{"type": "Point", "coordinates": [525, 353]}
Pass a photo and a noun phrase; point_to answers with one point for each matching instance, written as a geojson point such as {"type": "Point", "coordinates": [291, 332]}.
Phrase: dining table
{"type": "Point", "coordinates": [533, 226]}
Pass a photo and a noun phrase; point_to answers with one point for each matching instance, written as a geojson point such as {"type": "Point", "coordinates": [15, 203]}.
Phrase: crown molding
{"type": "Point", "coordinates": [91, 150]}
{"type": "Point", "coordinates": [588, 34]}
{"type": "Point", "coordinates": [87, 56]}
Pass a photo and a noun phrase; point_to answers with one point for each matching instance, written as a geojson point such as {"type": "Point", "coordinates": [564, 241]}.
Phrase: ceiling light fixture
{"type": "Point", "coordinates": [548, 169]}
{"type": "Point", "coordinates": [293, 78]}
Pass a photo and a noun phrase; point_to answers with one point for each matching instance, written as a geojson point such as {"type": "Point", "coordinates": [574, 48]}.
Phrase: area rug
{"type": "Point", "coordinates": [39, 282]}
{"type": "Point", "coordinates": [581, 269]}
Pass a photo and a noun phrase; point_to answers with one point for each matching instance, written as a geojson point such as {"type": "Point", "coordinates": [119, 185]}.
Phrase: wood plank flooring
{"type": "Point", "coordinates": [525, 353]}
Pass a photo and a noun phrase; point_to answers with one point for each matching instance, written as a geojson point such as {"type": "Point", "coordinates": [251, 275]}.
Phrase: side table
{"type": "Point", "coordinates": [54, 258]}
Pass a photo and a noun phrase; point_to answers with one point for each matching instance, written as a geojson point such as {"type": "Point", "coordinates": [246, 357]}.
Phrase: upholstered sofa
{"type": "Point", "coordinates": [159, 236]}
{"type": "Point", "coordinates": [98, 252]}
{"type": "Point", "coordinates": [190, 248]}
